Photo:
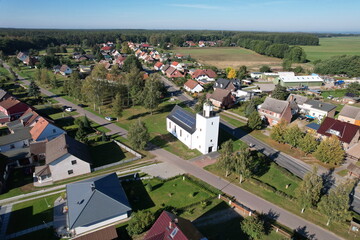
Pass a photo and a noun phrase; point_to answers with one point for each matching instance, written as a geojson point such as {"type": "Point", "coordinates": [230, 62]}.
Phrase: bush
{"type": "Point", "coordinates": [148, 187]}
{"type": "Point", "coordinates": [140, 222]}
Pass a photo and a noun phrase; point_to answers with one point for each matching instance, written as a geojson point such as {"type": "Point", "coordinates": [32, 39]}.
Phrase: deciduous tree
{"type": "Point", "coordinates": [117, 106]}
{"type": "Point", "coordinates": [34, 90]}
{"type": "Point", "coordinates": [242, 164]}
{"type": "Point", "coordinates": [138, 135]}
{"type": "Point", "coordinates": [253, 227]}
{"type": "Point", "coordinates": [231, 74]}
{"type": "Point", "coordinates": [308, 192]}
{"type": "Point", "coordinates": [330, 151]}
{"type": "Point", "coordinates": [293, 136]}
{"type": "Point", "coordinates": [226, 159]}
{"type": "Point", "coordinates": [336, 204]}
{"type": "Point", "coordinates": [280, 92]}
{"type": "Point", "coordinates": [265, 68]}
{"type": "Point", "coordinates": [278, 132]}
{"type": "Point", "coordinates": [254, 121]}
{"type": "Point", "coordinates": [308, 143]}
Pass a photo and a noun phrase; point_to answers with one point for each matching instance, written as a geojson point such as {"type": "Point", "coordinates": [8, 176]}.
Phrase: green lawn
{"type": "Point", "coordinates": [103, 153]}
{"type": "Point", "coordinates": [231, 229]}
{"type": "Point", "coordinates": [176, 193]}
{"type": "Point", "coordinates": [5, 72]}
{"type": "Point", "coordinates": [334, 93]}
{"type": "Point", "coordinates": [310, 214]}
{"type": "Point", "coordinates": [332, 47]}
{"type": "Point", "coordinates": [232, 121]}
{"type": "Point", "coordinates": [32, 213]}
{"type": "Point", "coordinates": [224, 136]}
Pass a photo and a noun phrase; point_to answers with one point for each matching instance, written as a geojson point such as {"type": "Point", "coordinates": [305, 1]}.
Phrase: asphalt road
{"type": "Point", "coordinates": [254, 202]}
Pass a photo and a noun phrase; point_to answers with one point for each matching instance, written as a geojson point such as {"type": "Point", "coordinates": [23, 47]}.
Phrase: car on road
{"type": "Point", "coordinates": [69, 109]}
{"type": "Point", "coordinates": [109, 118]}
{"type": "Point", "coordinates": [82, 105]}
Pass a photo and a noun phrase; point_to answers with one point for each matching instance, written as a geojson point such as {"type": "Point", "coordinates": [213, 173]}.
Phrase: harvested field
{"type": "Point", "coordinates": [223, 57]}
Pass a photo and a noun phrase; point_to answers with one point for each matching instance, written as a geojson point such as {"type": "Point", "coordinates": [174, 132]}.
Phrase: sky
{"type": "Point", "coordinates": [247, 15]}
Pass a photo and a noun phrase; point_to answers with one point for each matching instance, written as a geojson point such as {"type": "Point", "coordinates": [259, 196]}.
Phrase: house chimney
{"type": "Point", "coordinates": [170, 225]}
{"type": "Point", "coordinates": [291, 97]}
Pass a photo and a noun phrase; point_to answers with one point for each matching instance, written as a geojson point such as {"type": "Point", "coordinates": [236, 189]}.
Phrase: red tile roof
{"type": "Point", "coordinates": [200, 72]}
{"type": "Point", "coordinates": [106, 48]}
{"type": "Point", "coordinates": [346, 131]}
{"type": "Point", "coordinates": [14, 106]}
{"type": "Point", "coordinates": [38, 128]}
{"type": "Point", "coordinates": [158, 64]}
{"type": "Point", "coordinates": [174, 63]}
{"type": "Point", "coordinates": [169, 226]}
{"type": "Point", "coordinates": [191, 84]}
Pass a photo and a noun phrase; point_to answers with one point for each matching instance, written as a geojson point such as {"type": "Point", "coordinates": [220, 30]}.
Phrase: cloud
{"type": "Point", "coordinates": [197, 6]}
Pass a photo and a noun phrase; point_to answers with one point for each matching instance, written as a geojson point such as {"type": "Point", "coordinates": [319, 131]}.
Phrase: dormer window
{"type": "Point", "coordinates": [334, 132]}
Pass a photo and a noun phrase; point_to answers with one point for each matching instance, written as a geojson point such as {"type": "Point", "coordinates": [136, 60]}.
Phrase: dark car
{"type": "Point", "coordinates": [82, 105]}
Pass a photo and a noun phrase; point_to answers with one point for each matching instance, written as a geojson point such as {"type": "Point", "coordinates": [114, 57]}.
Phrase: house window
{"type": "Point", "coordinates": [212, 123]}
{"type": "Point", "coordinates": [180, 132]}
{"type": "Point", "coordinates": [70, 172]}
{"type": "Point", "coordinates": [210, 140]}
{"type": "Point", "coordinates": [73, 162]}
{"type": "Point", "coordinates": [169, 124]}
{"type": "Point", "coordinates": [12, 146]}
{"type": "Point", "coordinates": [54, 130]}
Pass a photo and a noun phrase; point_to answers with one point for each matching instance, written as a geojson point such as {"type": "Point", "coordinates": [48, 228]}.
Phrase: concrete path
{"type": "Point", "coordinates": [29, 230]}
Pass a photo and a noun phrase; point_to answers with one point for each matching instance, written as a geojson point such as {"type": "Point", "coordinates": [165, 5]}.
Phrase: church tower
{"type": "Point", "coordinates": [207, 130]}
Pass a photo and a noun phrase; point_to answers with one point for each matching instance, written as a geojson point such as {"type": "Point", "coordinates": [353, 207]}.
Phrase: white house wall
{"type": "Point", "coordinates": [179, 133]}
{"type": "Point", "coordinates": [14, 145]}
{"type": "Point", "coordinates": [207, 133]}
{"type": "Point", "coordinates": [60, 167]}
{"type": "Point", "coordinates": [84, 229]}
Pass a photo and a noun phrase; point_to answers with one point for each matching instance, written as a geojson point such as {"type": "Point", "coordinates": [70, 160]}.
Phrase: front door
{"type": "Point", "coordinates": [210, 149]}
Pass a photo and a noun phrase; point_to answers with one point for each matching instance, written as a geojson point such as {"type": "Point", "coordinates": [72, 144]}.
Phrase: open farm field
{"type": "Point", "coordinates": [332, 47]}
{"type": "Point", "coordinates": [222, 57]}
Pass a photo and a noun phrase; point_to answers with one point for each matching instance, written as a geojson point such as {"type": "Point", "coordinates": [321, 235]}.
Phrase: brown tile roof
{"type": "Point", "coordinates": [219, 94]}
{"type": "Point", "coordinates": [210, 73]}
{"type": "Point", "coordinates": [191, 84]}
{"type": "Point", "coordinates": [38, 128]}
{"type": "Point", "coordinates": [170, 70]}
{"type": "Point", "coordinates": [64, 68]}
{"type": "Point", "coordinates": [108, 233]}
{"type": "Point", "coordinates": [346, 131]}
{"type": "Point", "coordinates": [158, 64]}
{"type": "Point", "coordinates": [64, 144]}
{"type": "Point", "coordinates": [275, 105]}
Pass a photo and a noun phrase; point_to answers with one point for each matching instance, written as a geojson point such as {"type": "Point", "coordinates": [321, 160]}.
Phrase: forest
{"type": "Point", "coordinates": [12, 40]}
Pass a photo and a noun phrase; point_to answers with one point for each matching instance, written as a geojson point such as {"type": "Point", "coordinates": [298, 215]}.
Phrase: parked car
{"type": "Point", "coordinates": [69, 109]}
{"type": "Point", "coordinates": [109, 118]}
{"type": "Point", "coordinates": [82, 105]}
{"type": "Point", "coordinates": [330, 97]}
{"type": "Point", "coordinates": [301, 117]}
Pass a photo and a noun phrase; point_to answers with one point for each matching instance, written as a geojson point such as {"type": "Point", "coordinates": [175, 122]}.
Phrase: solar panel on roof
{"type": "Point", "coordinates": [185, 118]}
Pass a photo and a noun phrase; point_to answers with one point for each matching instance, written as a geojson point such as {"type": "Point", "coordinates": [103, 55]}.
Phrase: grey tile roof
{"type": "Point", "coordinates": [350, 112]}
{"type": "Point", "coordinates": [274, 105]}
{"type": "Point", "coordinates": [320, 105]}
{"type": "Point", "coordinates": [222, 83]}
{"type": "Point", "coordinates": [19, 135]}
{"type": "Point", "coordinates": [183, 118]}
{"type": "Point", "coordinates": [18, 153]}
{"type": "Point", "coordinates": [95, 200]}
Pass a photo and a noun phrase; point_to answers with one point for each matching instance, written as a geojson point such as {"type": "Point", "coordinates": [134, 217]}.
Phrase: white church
{"type": "Point", "coordinates": [200, 131]}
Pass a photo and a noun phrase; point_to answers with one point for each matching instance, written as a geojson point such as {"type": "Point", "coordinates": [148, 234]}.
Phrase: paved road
{"type": "Point", "coordinates": [248, 199]}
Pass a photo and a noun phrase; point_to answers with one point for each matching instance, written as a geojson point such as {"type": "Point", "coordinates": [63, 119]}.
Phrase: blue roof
{"type": "Point", "coordinates": [96, 200]}
{"type": "Point", "coordinates": [314, 126]}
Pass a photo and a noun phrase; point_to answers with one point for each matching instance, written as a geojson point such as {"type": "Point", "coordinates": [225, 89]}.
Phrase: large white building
{"type": "Point", "coordinates": [200, 131]}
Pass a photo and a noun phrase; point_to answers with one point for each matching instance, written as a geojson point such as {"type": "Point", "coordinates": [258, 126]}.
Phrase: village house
{"type": "Point", "coordinates": [256, 75]}
{"type": "Point", "coordinates": [63, 70]}
{"type": "Point", "coordinates": [84, 69]}
{"type": "Point", "coordinates": [222, 83]}
{"type": "Point", "coordinates": [347, 133]}
{"type": "Point", "coordinates": [65, 158]}
{"type": "Point", "coordinates": [44, 130]}
{"type": "Point", "coordinates": [164, 68]}
{"type": "Point", "coordinates": [350, 98]}
{"type": "Point", "coordinates": [170, 226]}
{"type": "Point", "coordinates": [11, 109]}
{"type": "Point", "coordinates": [158, 66]}
{"type": "Point", "coordinates": [18, 138]}
{"type": "Point", "coordinates": [204, 75]}
{"type": "Point", "coordinates": [265, 88]}
{"type": "Point", "coordinates": [274, 111]}
{"type": "Point", "coordinates": [222, 98]}
{"type": "Point", "coordinates": [317, 109]}
{"type": "Point", "coordinates": [120, 60]}
{"type": "Point", "coordinates": [172, 72]}
{"type": "Point", "coordinates": [177, 66]}
{"type": "Point", "coordinates": [200, 131]}
{"type": "Point", "coordinates": [193, 86]}
{"type": "Point", "coordinates": [350, 114]}
{"type": "Point", "coordinates": [93, 204]}
{"type": "Point", "coordinates": [4, 95]}
{"type": "Point", "coordinates": [295, 101]}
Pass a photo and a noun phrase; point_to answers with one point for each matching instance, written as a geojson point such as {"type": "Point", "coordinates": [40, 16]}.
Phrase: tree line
{"type": "Point", "coordinates": [349, 65]}
{"type": "Point", "coordinates": [280, 50]}
{"type": "Point", "coordinates": [25, 39]}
